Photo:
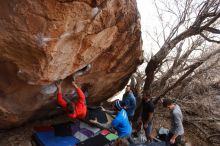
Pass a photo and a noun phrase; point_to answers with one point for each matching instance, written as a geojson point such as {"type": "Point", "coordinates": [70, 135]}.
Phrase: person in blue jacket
{"type": "Point", "coordinates": [120, 123]}
{"type": "Point", "coordinates": [129, 102]}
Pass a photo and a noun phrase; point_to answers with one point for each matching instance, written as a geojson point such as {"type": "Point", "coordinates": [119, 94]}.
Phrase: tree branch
{"type": "Point", "coordinates": [213, 30]}
{"type": "Point", "coordinates": [208, 39]}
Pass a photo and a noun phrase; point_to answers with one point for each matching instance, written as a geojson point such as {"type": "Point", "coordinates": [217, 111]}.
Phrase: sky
{"type": "Point", "coordinates": [148, 21]}
{"type": "Point", "coordinates": [147, 12]}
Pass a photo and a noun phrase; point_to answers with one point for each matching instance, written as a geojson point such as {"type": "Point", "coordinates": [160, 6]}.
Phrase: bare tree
{"type": "Point", "coordinates": [179, 60]}
{"type": "Point", "coordinates": [192, 67]}
{"type": "Point", "coordinates": [203, 24]}
{"type": "Point", "coordinates": [205, 77]}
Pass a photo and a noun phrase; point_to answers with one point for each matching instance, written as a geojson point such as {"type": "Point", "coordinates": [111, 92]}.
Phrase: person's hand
{"type": "Point", "coordinates": [103, 109]}
{"type": "Point", "coordinates": [58, 85]}
{"type": "Point", "coordinates": [125, 107]}
{"type": "Point", "coordinates": [94, 121]}
{"type": "Point", "coordinates": [172, 140]}
{"type": "Point", "coordinates": [145, 125]}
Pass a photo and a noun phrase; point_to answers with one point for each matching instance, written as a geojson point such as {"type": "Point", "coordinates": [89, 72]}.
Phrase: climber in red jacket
{"type": "Point", "coordinates": [74, 110]}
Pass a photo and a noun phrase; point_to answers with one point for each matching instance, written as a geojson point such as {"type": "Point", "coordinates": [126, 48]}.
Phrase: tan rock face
{"type": "Point", "coordinates": [44, 41]}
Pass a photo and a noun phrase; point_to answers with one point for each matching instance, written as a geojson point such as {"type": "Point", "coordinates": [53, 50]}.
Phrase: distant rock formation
{"type": "Point", "coordinates": [44, 41]}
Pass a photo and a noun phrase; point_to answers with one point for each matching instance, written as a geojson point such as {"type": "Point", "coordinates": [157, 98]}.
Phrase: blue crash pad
{"type": "Point", "coordinates": [47, 138]}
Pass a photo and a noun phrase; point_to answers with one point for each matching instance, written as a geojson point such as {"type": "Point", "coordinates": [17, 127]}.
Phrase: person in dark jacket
{"type": "Point", "coordinates": [129, 102]}
{"type": "Point", "coordinates": [76, 109]}
{"type": "Point", "coordinates": [146, 115]}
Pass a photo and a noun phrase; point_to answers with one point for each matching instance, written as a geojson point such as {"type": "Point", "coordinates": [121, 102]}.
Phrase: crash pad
{"type": "Point", "coordinates": [43, 128]}
{"type": "Point", "coordinates": [80, 136]}
{"type": "Point", "coordinates": [88, 127]}
{"type": "Point", "coordinates": [111, 137]}
{"type": "Point", "coordinates": [86, 132]}
{"type": "Point", "coordinates": [75, 127]}
{"type": "Point", "coordinates": [162, 133]}
{"type": "Point", "coordinates": [48, 138]}
{"type": "Point", "coordinates": [63, 129]}
{"type": "Point", "coordinates": [97, 113]}
{"type": "Point", "coordinates": [98, 140]}
{"type": "Point", "coordinates": [104, 132]}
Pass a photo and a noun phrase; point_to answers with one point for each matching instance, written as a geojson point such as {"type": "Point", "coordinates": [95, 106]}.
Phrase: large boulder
{"type": "Point", "coordinates": [44, 41]}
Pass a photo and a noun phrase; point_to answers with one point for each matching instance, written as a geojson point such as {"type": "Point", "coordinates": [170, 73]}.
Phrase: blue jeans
{"type": "Point", "coordinates": [149, 128]}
